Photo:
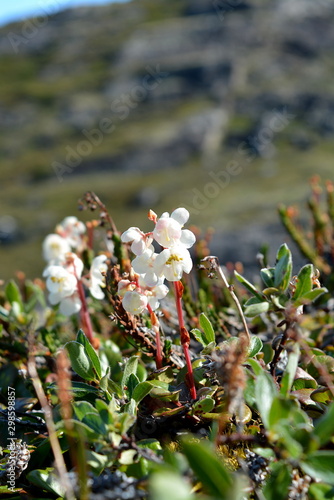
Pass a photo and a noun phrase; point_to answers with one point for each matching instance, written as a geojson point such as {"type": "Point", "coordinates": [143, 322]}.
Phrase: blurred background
{"type": "Point", "coordinates": [225, 107]}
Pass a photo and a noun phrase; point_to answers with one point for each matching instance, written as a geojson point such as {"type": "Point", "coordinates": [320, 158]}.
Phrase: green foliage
{"type": "Point", "coordinates": [263, 400]}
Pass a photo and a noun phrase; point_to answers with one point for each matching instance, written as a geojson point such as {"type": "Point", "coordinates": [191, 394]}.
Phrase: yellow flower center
{"type": "Point", "coordinates": [173, 258]}
{"type": "Point", "coordinates": [57, 280]}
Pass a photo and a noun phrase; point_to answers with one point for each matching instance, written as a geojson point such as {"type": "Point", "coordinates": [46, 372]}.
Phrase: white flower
{"type": "Point", "coordinates": [168, 229]}
{"type": "Point", "coordinates": [62, 286]}
{"type": "Point", "coordinates": [97, 279]}
{"type": "Point", "coordinates": [172, 262]}
{"type": "Point", "coordinates": [59, 282]}
{"type": "Point", "coordinates": [72, 230]}
{"type": "Point", "coordinates": [140, 241]}
{"type": "Point", "coordinates": [54, 248]}
{"type": "Point", "coordinates": [144, 264]}
{"type": "Point", "coordinates": [134, 302]}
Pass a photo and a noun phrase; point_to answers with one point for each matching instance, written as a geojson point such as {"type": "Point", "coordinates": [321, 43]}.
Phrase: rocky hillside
{"type": "Point", "coordinates": [224, 106]}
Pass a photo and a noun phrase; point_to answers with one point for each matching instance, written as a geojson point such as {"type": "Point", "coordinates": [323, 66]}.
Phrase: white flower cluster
{"type": "Point", "coordinates": [151, 268]}
{"type": "Point", "coordinates": [64, 269]}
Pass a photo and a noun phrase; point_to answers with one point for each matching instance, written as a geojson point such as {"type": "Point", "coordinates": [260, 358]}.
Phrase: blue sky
{"type": "Point", "coordinates": [18, 10]}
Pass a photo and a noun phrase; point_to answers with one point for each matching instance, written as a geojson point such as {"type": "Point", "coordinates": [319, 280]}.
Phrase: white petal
{"type": "Point", "coordinates": [173, 272]}
{"type": "Point", "coordinates": [160, 291]}
{"type": "Point", "coordinates": [181, 215]}
{"type": "Point", "coordinates": [134, 302]}
{"type": "Point", "coordinates": [131, 234]}
{"type": "Point", "coordinates": [187, 264]}
{"type": "Point", "coordinates": [187, 238]}
{"type": "Point", "coordinates": [70, 305]}
{"type": "Point", "coordinates": [151, 278]}
{"type": "Point", "coordinates": [138, 247]}
{"type": "Point", "coordinates": [161, 260]}
{"type": "Point", "coordinates": [54, 298]}
{"type": "Point", "coordinates": [141, 264]}
{"type": "Point", "coordinates": [96, 292]}
{"type": "Point", "coordinates": [154, 303]}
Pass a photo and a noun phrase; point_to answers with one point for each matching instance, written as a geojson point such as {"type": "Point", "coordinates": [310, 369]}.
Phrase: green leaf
{"type": "Point", "coordinates": [304, 282]}
{"type": "Point", "coordinates": [268, 276]}
{"type": "Point", "coordinates": [281, 409]}
{"type": "Point", "coordinates": [83, 340]}
{"type": "Point", "coordinates": [320, 465]}
{"type": "Point", "coordinates": [198, 336]}
{"type": "Point", "coordinates": [95, 422]}
{"type": "Point", "coordinates": [141, 391]}
{"type": "Point", "coordinates": [209, 333]}
{"type": "Point", "coordinates": [320, 491]}
{"type": "Point", "coordinates": [96, 461]}
{"type": "Point", "coordinates": [209, 469]}
{"type": "Point", "coordinates": [311, 296]}
{"type": "Point", "coordinates": [256, 308]}
{"type": "Point", "coordinates": [283, 268]}
{"type": "Point", "coordinates": [322, 395]}
{"type": "Point", "coordinates": [132, 383]}
{"type": "Point", "coordinates": [129, 368]}
{"type": "Point", "coordinates": [265, 393]}
{"type": "Point", "coordinates": [324, 427]}
{"type": "Point", "coordinates": [81, 408]}
{"type": "Point", "coordinates": [13, 293]}
{"type": "Point", "coordinates": [47, 480]}
{"type": "Point", "coordinates": [80, 360]}
{"type": "Point", "coordinates": [248, 285]}
{"type": "Point", "coordinates": [82, 390]}
{"type": "Point", "coordinates": [160, 486]}
{"type": "Point", "coordinates": [203, 405]}
{"type": "Point", "coordinates": [278, 482]}
{"type": "Point", "coordinates": [255, 346]}
{"type": "Point", "coordinates": [290, 370]}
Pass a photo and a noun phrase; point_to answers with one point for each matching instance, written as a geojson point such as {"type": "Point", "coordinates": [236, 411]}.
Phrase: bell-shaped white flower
{"type": "Point", "coordinates": [168, 229]}
{"type": "Point", "coordinates": [60, 283]}
{"type": "Point", "coordinates": [140, 241]}
{"type": "Point", "coordinates": [54, 248]}
{"type": "Point", "coordinates": [144, 265]}
{"type": "Point", "coordinates": [173, 262]}
{"type": "Point", "coordinates": [134, 302]}
{"type": "Point", "coordinates": [72, 230]}
{"type": "Point", "coordinates": [97, 279]}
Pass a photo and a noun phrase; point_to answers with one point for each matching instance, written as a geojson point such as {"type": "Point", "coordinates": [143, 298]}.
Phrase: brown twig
{"type": "Point", "coordinates": [214, 266]}
{"type": "Point", "coordinates": [54, 442]}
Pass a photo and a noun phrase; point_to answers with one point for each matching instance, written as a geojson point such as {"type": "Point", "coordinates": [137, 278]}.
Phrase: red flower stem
{"type": "Point", "coordinates": [185, 338]}
{"type": "Point", "coordinates": [155, 324]}
{"type": "Point", "coordinates": [90, 233]}
{"type": "Point", "coordinates": [85, 317]}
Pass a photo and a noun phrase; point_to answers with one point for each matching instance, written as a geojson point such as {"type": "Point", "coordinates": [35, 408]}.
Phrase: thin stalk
{"type": "Point", "coordinates": [155, 325]}
{"type": "Point", "coordinates": [214, 263]}
{"type": "Point", "coordinates": [74, 436]}
{"type": "Point", "coordinates": [185, 338]}
{"type": "Point", "coordinates": [54, 442]}
{"type": "Point", "coordinates": [85, 316]}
